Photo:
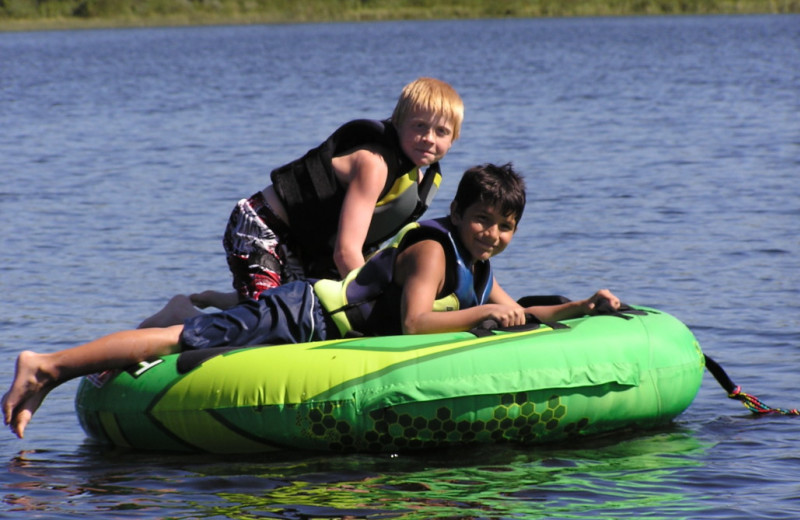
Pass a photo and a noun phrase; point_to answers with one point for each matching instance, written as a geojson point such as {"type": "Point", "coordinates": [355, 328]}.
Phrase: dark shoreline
{"type": "Point", "coordinates": [97, 14]}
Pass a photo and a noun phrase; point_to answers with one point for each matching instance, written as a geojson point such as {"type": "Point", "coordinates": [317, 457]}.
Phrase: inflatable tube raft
{"type": "Point", "coordinates": [385, 394]}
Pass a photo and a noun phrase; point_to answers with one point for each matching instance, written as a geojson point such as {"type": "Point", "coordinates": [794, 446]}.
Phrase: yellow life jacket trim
{"type": "Point", "coordinates": [332, 294]}
{"type": "Point", "coordinates": [448, 303]}
{"type": "Point", "coordinates": [399, 187]}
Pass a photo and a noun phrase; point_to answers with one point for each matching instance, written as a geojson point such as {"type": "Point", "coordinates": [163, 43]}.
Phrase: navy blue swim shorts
{"type": "Point", "coordinates": [289, 313]}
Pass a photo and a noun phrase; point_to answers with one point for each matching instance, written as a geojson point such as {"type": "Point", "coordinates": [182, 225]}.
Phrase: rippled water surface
{"type": "Point", "coordinates": [662, 157]}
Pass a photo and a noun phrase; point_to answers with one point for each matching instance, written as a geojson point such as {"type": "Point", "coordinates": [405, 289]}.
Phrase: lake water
{"type": "Point", "coordinates": [662, 157]}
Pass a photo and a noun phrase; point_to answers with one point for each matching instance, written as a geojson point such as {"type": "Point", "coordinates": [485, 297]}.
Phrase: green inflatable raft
{"type": "Point", "coordinates": [535, 384]}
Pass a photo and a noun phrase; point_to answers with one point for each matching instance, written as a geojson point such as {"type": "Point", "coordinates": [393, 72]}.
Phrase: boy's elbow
{"type": "Point", "coordinates": [346, 261]}
{"type": "Point", "coordinates": [411, 326]}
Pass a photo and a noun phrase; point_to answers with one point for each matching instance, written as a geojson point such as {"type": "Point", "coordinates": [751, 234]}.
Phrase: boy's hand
{"type": "Point", "coordinates": [603, 296]}
{"type": "Point", "coordinates": [505, 315]}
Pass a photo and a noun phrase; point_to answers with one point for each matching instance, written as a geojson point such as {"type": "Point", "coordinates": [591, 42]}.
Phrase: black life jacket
{"type": "Point", "coordinates": [313, 197]}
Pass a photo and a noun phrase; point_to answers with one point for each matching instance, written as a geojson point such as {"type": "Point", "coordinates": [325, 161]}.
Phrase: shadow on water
{"type": "Point", "coordinates": [630, 473]}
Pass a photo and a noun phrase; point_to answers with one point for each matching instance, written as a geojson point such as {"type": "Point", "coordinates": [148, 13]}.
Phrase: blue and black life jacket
{"type": "Point", "coordinates": [368, 299]}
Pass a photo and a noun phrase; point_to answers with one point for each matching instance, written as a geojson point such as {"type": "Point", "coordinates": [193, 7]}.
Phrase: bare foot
{"type": "Point", "coordinates": [32, 383]}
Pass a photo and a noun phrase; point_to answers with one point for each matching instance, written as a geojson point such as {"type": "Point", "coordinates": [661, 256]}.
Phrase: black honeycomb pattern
{"type": "Point", "coordinates": [513, 418]}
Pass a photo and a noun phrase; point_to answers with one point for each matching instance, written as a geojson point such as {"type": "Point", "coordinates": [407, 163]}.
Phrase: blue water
{"type": "Point", "coordinates": [662, 157]}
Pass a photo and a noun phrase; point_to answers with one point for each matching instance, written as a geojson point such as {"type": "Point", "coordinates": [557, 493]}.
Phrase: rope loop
{"type": "Point", "coordinates": [755, 405]}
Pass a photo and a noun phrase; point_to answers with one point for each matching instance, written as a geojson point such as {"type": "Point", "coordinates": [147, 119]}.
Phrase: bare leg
{"type": "Point", "coordinates": [216, 299]}
{"type": "Point", "coordinates": [37, 374]}
{"type": "Point", "coordinates": [175, 312]}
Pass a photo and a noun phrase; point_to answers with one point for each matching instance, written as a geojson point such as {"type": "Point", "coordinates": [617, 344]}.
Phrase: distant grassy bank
{"type": "Point", "coordinates": [57, 14]}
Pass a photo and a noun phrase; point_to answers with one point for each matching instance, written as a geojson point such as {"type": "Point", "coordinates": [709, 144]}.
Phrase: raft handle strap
{"type": "Point", "coordinates": [750, 402]}
{"type": "Point", "coordinates": [487, 327]}
{"type": "Point", "coordinates": [603, 308]}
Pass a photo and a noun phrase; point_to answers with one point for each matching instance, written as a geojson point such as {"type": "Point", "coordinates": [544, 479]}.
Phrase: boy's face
{"type": "Point", "coordinates": [484, 231]}
{"type": "Point", "coordinates": [425, 137]}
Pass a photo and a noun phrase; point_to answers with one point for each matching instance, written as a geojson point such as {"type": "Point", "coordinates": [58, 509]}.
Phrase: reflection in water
{"type": "Point", "coordinates": [629, 474]}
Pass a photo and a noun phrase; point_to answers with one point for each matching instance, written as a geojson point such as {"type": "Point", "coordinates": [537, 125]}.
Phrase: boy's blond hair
{"type": "Point", "coordinates": [431, 95]}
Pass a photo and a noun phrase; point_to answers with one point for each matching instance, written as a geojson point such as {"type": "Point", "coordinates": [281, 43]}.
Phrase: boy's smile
{"type": "Point", "coordinates": [425, 137]}
{"type": "Point", "coordinates": [483, 230]}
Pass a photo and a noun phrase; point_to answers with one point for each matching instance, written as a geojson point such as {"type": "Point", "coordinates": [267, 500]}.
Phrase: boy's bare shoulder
{"type": "Point", "coordinates": [423, 257]}
{"type": "Point", "coordinates": [358, 161]}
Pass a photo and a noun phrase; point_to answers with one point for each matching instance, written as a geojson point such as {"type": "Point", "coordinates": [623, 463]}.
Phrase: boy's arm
{"type": "Point", "coordinates": [573, 309]}
{"type": "Point", "coordinates": [365, 172]}
{"type": "Point", "coordinates": [557, 312]}
{"type": "Point", "coordinates": [499, 295]}
{"type": "Point", "coordinates": [420, 270]}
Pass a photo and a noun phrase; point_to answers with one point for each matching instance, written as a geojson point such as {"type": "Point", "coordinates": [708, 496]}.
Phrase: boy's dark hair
{"type": "Point", "coordinates": [499, 186]}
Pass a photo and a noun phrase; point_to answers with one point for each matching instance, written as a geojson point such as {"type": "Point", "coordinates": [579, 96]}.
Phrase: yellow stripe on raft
{"type": "Point", "coordinates": [290, 379]}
